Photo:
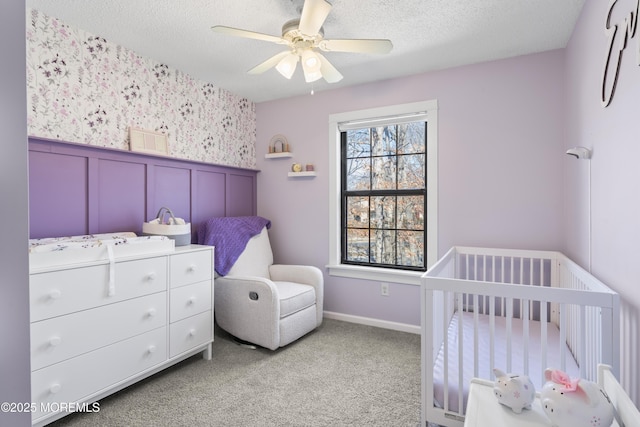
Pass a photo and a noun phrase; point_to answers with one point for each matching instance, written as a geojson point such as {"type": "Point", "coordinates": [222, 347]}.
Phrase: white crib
{"type": "Point", "coordinates": [517, 310]}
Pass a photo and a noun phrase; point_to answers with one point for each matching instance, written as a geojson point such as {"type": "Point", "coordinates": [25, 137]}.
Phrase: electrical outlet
{"type": "Point", "coordinates": [384, 289]}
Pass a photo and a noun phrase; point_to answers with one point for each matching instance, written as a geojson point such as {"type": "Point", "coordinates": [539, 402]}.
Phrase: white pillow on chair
{"type": "Point", "coordinates": [256, 258]}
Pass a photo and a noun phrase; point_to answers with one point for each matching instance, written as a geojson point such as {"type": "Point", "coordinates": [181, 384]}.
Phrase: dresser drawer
{"type": "Point", "coordinates": [191, 267]}
{"type": "Point", "coordinates": [63, 337]}
{"type": "Point", "coordinates": [77, 378]}
{"type": "Point", "coordinates": [189, 333]}
{"type": "Point", "coordinates": [188, 300]}
{"type": "Point", "coordinates": [59, 292]}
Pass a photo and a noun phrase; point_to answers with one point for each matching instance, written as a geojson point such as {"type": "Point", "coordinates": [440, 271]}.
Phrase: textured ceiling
{"type": "Point", "coordinates": [426, 34]}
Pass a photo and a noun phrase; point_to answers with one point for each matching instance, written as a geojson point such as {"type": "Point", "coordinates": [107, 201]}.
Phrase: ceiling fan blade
{"type": "Point", "coordinates": [357, 45]}
{"type": "Point", "coordinates": [269, 63]}
{"type": "Point", "coordinates": [314, 12]}
{"type": "Point", "coordinates": [329, 72]}
{"type": "Point", "coordinates": [248, 34]}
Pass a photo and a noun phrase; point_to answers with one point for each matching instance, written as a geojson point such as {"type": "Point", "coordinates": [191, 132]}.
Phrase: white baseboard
{"type": "Point", "coordinates": [385, 324]}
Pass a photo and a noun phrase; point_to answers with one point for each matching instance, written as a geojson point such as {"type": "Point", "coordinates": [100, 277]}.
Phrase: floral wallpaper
{"type": "Point", "coordinates": [81, 88]}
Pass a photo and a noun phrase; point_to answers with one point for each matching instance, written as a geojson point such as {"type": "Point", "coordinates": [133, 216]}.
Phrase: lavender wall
{"type": "Point", "coordinates": [613, 211]}
{"type": "Point", "coordinates": [76, 189]}
{"type": "Point", "coordinates": [500, 165]}
{"type": "Point", "coordinates": [15, 371]}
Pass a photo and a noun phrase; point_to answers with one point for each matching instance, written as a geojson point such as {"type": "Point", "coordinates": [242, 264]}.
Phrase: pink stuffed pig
{"type": "Point", "coordinates": [577, 402]}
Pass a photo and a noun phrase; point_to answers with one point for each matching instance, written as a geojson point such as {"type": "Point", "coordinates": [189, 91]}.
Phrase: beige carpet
{"type": "Point", "coordinates": [342, 374]}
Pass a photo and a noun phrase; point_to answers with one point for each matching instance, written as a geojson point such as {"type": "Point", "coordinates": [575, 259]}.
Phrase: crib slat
{"type": "Point", "coordinates": [563, 336]}
{"type": "Point", "coordinates": [599, 342]}
{"type": "Point", "coordinates": [509, 303]}
{"type": "Point", "coordinates": [484, 268]}
{"type": "Point", "coordinates": [445, 334]}
{"type": "Point", "coordinates": [493, 268]}
{"type": "Point", "coordinates": [581, 345]}
{"type": "Point", "coordinates": [543, 339]}
{"type": "Point", "coordinates": [476, 339]}
{"type": "Point", "coordinates": [492, 332]}
{"type": "Point", "coordinates": [588, 338]}
{"type": "Point", "coordinates": [475, 267]}
{"type": "Point", "coordinates": [460, 310]}
{"type": "Point", "coordinates": [467, 275]}
{"type": "Point", "coordinates": [525, 327]}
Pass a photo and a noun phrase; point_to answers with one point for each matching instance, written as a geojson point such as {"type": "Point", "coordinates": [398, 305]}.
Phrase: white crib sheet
{"type": "Point", "coordinates": [500, 356]}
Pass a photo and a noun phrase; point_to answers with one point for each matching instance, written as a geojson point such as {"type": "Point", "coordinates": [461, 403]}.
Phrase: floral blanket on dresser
{"type": "Point", "coordinates": [52, 244]}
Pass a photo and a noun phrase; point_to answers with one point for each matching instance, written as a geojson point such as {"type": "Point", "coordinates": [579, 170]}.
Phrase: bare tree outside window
{"type": "Point", "coordinates": [384, 196]}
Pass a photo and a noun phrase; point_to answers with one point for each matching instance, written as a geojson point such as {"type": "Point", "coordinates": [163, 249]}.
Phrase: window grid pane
{"type": "Point", "coordinates": [411, 171]}
{"type": "Point", "coordinates": [359, 174]}
{"type": "Point", "coordinates": [384, 172]}
{"type": "Point", "coordinates": [410, 213]}
{"type": "Point", "coordinates": [383, 247]}
{"type": "Point", "coordinates": [358, 212]}
{"type": "Point", "coordinates": [384, 196]}
{"type": "Point", "coordinates": [359, 143]}
{"type": "Point", "coordinates": [383, 212]}
{"type": "Point", "coordinates": [358, 245]}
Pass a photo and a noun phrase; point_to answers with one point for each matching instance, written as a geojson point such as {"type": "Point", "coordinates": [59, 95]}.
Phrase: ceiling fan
{"type": "Point", "coordinates": [304, 37]}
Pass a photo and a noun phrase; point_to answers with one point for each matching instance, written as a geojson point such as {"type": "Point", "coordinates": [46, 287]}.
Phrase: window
{"type": "Point", "coordinates": [384, 195]}
{"type": "Point", "coordinates": [383, 192]}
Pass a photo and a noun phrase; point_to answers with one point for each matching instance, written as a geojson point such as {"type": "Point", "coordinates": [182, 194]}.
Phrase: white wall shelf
{"type": "Point", "coordinates": [278, 155]}
{"type": "Point", "coordinates": [301, 174]}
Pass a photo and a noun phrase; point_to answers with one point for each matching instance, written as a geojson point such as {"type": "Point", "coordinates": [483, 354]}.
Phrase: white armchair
{"type": "Point", "coordinates": [266, 304]}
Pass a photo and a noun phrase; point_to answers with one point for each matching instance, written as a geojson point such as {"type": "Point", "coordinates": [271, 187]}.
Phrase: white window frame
{"type": "Point", "coordinates": [427, 110]}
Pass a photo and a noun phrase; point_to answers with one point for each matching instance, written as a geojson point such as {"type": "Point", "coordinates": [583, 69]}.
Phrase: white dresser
{"type": "Point", "coordinates": [92, 336]}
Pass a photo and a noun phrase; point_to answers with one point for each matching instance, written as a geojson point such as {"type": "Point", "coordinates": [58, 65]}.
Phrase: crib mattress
{"type": "Point", "coordinates": [485, 370]}
{"type": "Point", "coordinates": [58, 251]}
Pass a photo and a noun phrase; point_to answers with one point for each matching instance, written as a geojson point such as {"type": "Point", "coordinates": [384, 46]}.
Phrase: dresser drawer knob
{"type": "Point", "coordinates": [192, 268]}
{"type": "Point", "coordinates": [55, 388]}
{"type": "Point", "coordinates": [55, 341]}
{"type": "Point", "coordinates": [192, 333]}
{"type": "Point", "coordinates": [151, 276]}
{"type": "Point", "coordinates": [151, 312]}
{"type": "Point", "coordinates": [55, 294]}
{"type": "Point", "coordinates": [191, 301]}
{"type": "Point", "coordinates": [151, 349]}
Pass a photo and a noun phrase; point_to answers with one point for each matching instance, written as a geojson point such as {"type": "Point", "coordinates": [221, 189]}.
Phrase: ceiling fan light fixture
{"type": "Point", "coordinates": [311, 66]}
{"type": "Point", "coordinates": [287, 65]}
{"type": "Point", "coordinates": [310, 61]}
{"type": "Point", "coordinates": [312, 76]}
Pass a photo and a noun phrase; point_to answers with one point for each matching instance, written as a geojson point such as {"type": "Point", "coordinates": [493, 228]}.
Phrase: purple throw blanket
{"type": "Point", "coordinates": [230, 236]}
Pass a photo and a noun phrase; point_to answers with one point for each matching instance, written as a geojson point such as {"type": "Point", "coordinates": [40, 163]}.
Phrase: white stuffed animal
{"type": "Point", "coordinates": [515, 391]}
{"type": "Point", "coordinates": [578, 402]}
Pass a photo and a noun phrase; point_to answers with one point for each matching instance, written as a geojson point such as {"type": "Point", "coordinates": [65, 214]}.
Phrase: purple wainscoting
{"type": "Point", "coordinates": [80, 189]}
{"type": "Point", "coordinates": [55, 191]}
{"type": "Point", "coordinates": [120, 196]}
{"type": "Point", "coordinates": [214, 182]}
{"type": "Point", "coordinates": [238, 185]}
{"type": "Point", "coordinates": [174, 184]}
